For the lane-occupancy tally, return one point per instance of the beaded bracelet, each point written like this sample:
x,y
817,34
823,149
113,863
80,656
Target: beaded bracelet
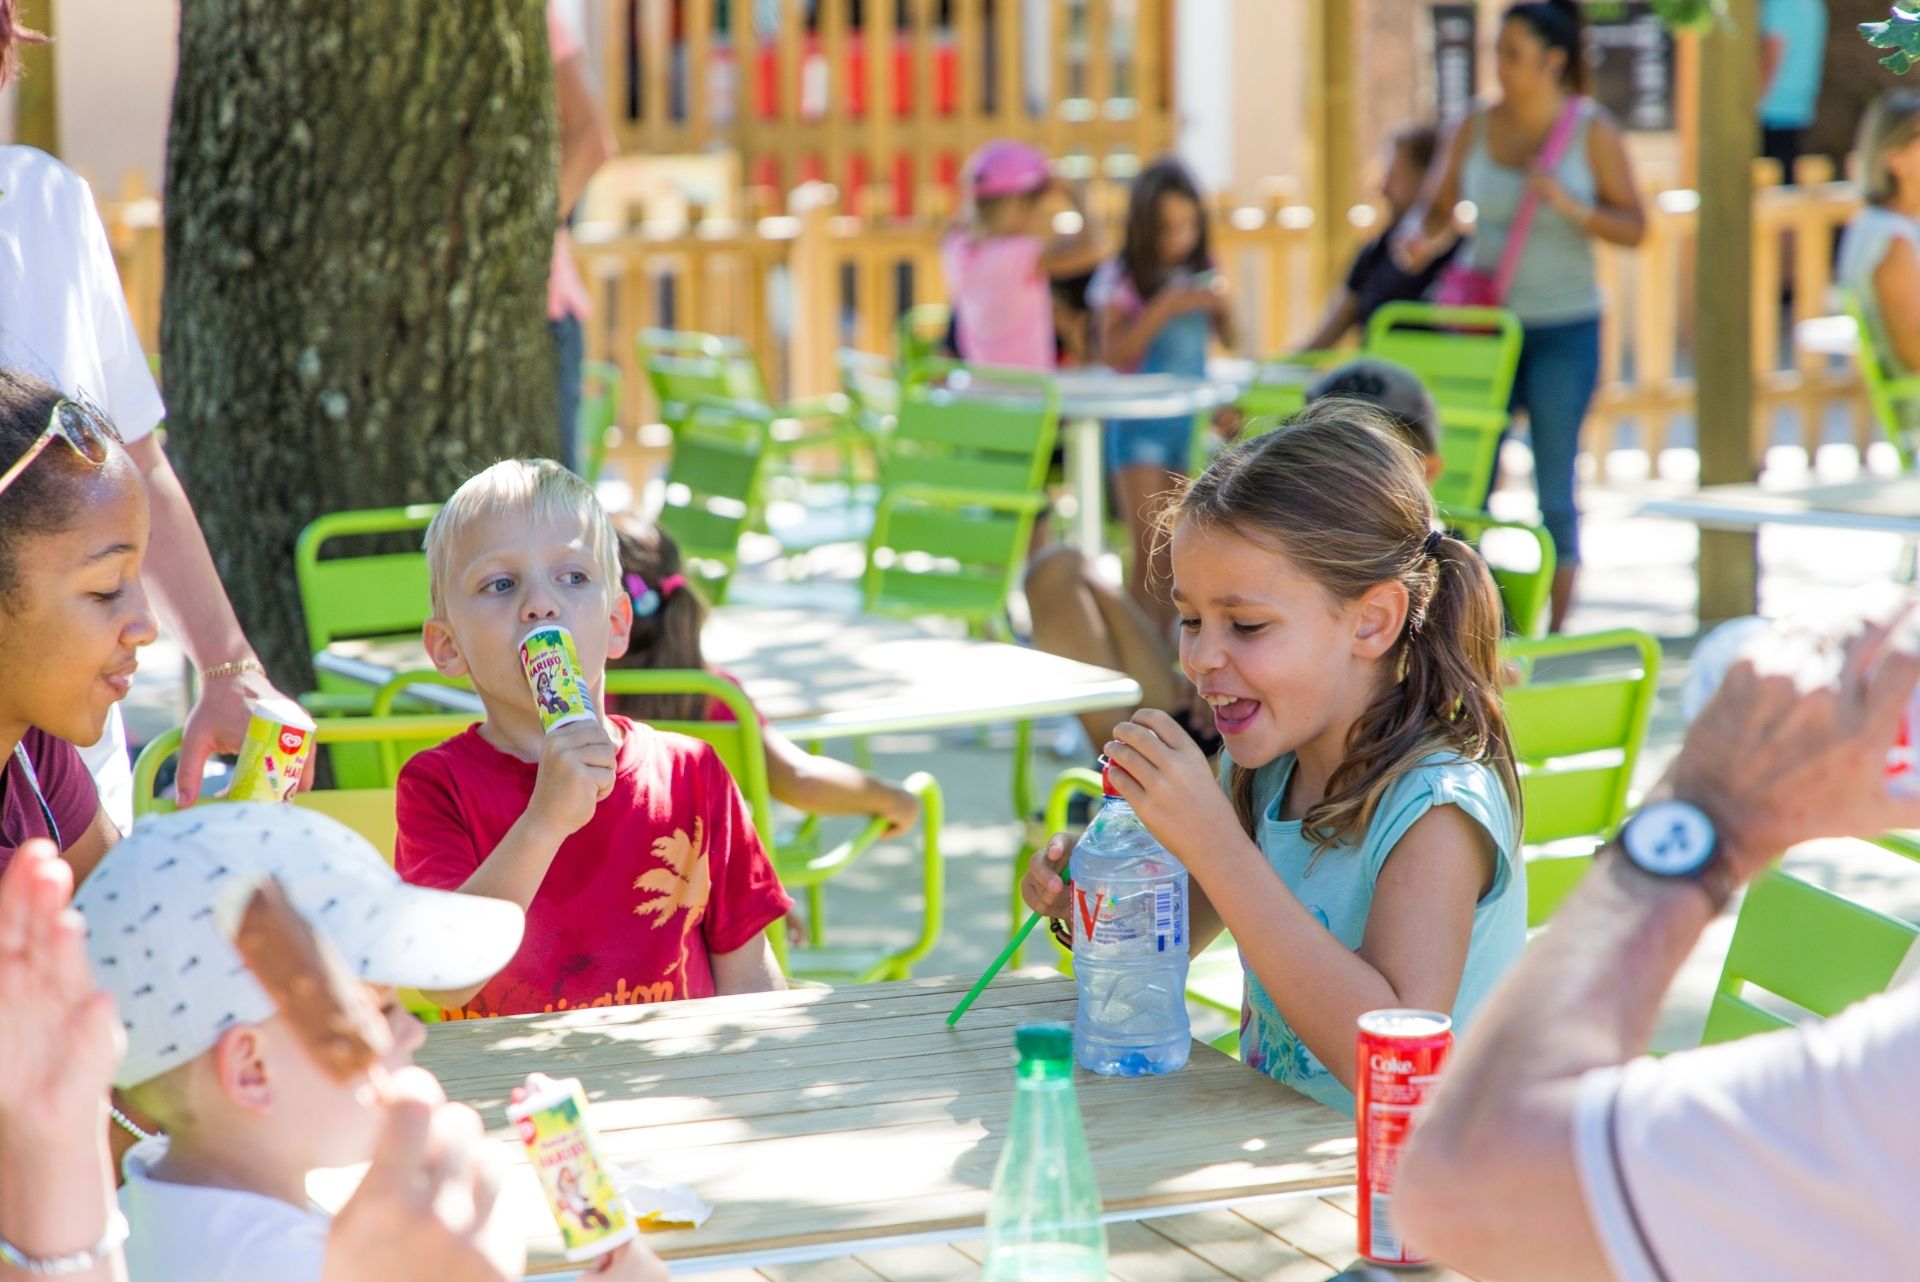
x,y
55,1266
233,669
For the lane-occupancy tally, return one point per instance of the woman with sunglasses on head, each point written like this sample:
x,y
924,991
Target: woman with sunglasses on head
x,y
64,319
73,614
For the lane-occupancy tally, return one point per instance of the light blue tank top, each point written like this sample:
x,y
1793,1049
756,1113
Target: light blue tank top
x,y
1337,889
1554,282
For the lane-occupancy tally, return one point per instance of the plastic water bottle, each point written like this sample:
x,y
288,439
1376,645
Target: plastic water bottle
x,y
1044,1222
1716,653
1129,947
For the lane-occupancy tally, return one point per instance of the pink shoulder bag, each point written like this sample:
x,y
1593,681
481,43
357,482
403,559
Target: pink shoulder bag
x,y
1464,286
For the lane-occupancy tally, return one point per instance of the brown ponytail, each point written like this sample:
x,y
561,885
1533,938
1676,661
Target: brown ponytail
x,y
668,634
1343,499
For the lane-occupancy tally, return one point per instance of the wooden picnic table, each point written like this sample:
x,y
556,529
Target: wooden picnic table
x,y
822,674
822,1124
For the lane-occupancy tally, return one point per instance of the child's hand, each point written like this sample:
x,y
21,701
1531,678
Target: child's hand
x,y
576,774
630,1263
900,808
59,1037
1414,248
1170,784
1044,888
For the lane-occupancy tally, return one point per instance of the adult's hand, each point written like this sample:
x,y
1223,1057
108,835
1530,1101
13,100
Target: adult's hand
x,y
1794,744
59,1036
427,1207
217,724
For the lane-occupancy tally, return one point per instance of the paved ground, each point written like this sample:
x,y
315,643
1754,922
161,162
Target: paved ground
x,y
1639,574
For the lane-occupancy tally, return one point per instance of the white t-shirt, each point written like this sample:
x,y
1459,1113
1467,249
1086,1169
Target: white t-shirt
x,y
188,1233
64,318
1863,244
1771,1159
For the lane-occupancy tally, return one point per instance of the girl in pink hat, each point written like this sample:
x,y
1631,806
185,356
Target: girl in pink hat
x,y
1000,260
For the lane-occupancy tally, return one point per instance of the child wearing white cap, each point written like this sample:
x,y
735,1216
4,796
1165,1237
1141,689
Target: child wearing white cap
x,y
247,1113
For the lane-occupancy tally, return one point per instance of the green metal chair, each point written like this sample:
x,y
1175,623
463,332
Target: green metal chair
x,y
871,385
1279,389
803,862
961,483
920,340
1806,946
1467,357
1578,738
713,486
1895,401
1525,583
600,387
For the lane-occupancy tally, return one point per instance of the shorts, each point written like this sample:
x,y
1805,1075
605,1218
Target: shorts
x,y
1165,443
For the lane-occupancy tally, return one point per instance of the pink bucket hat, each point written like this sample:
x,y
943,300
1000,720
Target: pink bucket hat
x,y
1004,167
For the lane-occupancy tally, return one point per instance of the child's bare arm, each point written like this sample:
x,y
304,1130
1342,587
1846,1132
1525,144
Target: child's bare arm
x,y
824,786
748,969
1078,254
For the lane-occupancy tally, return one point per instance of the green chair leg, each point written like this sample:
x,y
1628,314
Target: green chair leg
x,y
816,917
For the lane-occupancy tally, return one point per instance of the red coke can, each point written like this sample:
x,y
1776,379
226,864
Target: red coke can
x,y
1401,1055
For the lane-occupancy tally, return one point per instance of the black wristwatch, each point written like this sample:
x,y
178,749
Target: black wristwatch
x,y
1676,840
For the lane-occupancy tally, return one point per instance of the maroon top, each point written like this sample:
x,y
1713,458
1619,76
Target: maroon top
x,y
65,785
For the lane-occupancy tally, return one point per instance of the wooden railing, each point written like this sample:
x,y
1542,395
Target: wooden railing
x,y
887,113
799,285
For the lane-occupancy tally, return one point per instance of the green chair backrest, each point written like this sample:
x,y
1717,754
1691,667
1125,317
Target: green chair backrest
x,y
1577,739
1895,402
713,486
1467,357
382,594
1526,581
920,337
600,387
368,811
962,478
1279,389
1807,946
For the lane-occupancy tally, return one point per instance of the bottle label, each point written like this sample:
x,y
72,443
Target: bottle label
x,y
1146,920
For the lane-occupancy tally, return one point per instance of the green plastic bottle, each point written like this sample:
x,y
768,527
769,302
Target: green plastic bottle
x,y
1044,1225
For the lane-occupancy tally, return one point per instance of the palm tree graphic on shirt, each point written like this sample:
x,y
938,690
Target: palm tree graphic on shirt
x,y
681,884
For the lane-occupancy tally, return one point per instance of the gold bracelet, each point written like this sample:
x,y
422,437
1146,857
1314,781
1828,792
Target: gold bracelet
x,y
232,669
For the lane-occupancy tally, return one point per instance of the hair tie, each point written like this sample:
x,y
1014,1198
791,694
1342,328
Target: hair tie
x,y
672,584
1433,542
646,602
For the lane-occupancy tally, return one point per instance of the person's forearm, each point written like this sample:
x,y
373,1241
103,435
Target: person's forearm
x,y
1225,328
1489,1184
1624,227
1320,985
750,969
179,572
821,785
581,155
1129,340
1339,319
518,864
56,1194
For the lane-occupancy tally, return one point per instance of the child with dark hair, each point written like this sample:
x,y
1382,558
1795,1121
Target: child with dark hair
x,y
667,617
1375,279
1157,307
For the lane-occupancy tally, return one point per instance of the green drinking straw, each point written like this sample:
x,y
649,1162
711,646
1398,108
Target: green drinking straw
x,y
979,985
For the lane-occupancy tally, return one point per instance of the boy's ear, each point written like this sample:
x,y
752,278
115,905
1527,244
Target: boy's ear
x,y
240,1067
1379,616
436,635
621,617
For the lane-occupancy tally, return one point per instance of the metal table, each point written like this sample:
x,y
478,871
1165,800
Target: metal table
x,y
1880,505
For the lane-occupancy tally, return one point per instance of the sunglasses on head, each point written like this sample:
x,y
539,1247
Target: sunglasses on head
x,y
84,428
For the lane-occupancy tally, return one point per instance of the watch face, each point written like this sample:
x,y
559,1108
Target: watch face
x,y
1672,839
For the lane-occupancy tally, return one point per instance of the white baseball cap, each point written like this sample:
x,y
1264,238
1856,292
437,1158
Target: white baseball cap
x,y
155,941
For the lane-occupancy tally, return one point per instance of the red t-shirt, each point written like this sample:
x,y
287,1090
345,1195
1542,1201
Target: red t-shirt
x,y
668,872
65,785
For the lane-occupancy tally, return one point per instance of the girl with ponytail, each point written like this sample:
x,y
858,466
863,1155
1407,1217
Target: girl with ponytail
x,y
667,617
1360,831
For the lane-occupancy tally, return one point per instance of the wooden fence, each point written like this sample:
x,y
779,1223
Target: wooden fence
x,y
799,285
884,100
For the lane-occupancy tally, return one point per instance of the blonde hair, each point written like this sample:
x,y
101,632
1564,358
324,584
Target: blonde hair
x,y
1343,498
539,489
1891,123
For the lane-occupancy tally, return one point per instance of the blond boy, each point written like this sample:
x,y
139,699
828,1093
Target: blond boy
x,y
631,851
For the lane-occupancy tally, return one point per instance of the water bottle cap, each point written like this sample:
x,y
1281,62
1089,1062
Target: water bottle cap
x,y
1106,778
1044,1041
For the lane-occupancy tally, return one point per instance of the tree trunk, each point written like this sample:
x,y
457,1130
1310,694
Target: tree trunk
x,y
359,221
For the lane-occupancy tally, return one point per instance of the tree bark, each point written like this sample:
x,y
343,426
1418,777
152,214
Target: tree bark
x,y
359,222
